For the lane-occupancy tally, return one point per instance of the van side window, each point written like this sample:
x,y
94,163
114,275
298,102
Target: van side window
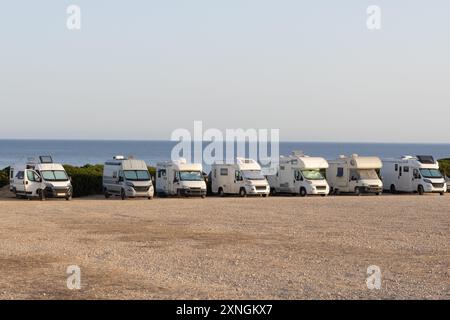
x,y
405,169
114,174
12,174
400,171
237,175
282,168
396,167
20,175
416,174
340,172
223,171
161,173
298,176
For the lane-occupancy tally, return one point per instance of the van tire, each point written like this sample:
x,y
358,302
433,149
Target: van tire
x,y
69,197
122,194
106,193
41,194
441,193
357,191
221,193
302,192
242,192
392,189
265,195
420,190
150,198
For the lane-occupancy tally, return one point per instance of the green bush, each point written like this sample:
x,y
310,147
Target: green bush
x,y
444,165
86,180
4,177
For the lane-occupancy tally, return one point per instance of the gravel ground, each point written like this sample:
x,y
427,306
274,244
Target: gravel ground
x,y
227,248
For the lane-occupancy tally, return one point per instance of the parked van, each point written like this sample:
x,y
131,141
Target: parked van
x,y
127,178
180,178
244,177
300,174
40,179
355,174
413,174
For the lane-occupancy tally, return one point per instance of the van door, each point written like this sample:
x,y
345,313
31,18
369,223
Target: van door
x,y
161,181
238,182
405,179
286,176
32,182
19,182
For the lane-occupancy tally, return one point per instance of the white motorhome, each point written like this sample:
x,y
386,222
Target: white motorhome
x,y
127,178
244,177
180,178
40,179
413,174
300,174
355,174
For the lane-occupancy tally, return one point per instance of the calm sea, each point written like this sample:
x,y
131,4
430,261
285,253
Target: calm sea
x,y
81,152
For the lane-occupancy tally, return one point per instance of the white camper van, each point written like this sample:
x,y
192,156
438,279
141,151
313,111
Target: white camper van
x,y
40,179
127,178
300,174
180,178
413,174
355,174
244,177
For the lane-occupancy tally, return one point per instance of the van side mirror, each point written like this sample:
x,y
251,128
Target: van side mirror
x,y
120,179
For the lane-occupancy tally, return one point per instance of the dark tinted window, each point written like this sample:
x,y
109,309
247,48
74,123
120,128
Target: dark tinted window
x,y
340,172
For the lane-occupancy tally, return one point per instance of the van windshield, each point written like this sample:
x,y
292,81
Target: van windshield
x,y
54,175
191,176
136,175
312,175
252,175
431,173
367,174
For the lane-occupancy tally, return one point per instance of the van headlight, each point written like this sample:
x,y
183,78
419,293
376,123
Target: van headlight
x,y
427,181
129,184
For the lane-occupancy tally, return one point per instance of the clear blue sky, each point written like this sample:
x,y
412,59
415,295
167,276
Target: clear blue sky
x,y
140,69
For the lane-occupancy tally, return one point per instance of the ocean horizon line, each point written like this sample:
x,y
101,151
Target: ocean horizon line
x,y
176,141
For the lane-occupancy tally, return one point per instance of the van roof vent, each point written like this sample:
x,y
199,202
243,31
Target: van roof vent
x,y
119,157
426,159
341,156
45,159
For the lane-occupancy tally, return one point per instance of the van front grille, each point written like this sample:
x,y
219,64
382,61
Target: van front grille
x,y
141,189
438,185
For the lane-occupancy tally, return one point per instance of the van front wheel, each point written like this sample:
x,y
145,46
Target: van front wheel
x,y
41,195
357,191
303,192
221,193
420,190
123,195
242,192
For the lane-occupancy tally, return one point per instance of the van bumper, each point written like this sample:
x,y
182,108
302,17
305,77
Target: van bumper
x,y
143,192
318,190
257,190
193,192
60,192
371,189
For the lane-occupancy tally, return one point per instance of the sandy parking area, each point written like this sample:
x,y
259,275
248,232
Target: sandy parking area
x,y
275,248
